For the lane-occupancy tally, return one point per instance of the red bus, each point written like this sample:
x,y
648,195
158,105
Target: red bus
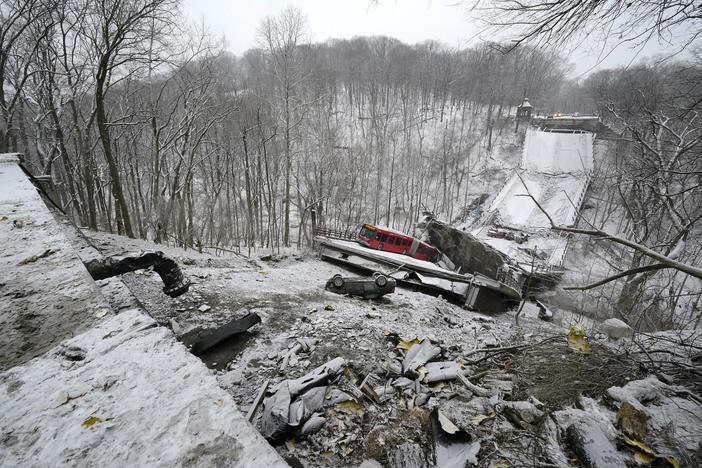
x,y
390,241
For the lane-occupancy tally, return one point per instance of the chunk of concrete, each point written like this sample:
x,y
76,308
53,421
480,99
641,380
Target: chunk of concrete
x,y
419,354
615,328
317,376
592,447
438,371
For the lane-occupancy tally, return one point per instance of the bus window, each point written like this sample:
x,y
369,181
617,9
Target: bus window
x,y
384,238
404,241
398,241
377,236
367,232
391,240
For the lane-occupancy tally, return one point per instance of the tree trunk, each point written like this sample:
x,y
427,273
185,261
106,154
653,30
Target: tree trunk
x,y
104,131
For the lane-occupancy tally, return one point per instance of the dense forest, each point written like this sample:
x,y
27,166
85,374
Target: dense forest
x,y
151,129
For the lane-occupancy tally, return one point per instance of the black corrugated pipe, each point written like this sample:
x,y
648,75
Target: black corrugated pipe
x,y
174,281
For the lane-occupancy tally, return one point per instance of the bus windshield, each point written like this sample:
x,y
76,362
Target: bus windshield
x,y
367,232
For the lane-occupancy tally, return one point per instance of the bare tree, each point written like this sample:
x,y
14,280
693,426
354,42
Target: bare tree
x,y
282,37
559,21
117,29
24,25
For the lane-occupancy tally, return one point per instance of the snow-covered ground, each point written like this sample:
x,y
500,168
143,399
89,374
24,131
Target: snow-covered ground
x,y
84,385
127,391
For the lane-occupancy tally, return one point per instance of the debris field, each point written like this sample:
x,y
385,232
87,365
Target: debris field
x,y
410,379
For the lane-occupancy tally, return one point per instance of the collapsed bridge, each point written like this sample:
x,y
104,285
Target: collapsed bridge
x,y
554,170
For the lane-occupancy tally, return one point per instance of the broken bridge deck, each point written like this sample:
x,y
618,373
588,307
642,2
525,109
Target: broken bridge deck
x,y
475,291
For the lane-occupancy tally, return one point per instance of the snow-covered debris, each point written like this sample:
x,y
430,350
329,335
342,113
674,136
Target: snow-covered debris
x,y
136,395
418,355
615,328
352,425
674,412
283,413
592,447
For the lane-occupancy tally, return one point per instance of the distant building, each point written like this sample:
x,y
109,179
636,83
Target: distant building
x,y
523,113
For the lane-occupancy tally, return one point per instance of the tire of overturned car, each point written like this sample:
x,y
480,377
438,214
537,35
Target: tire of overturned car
x,y
381,281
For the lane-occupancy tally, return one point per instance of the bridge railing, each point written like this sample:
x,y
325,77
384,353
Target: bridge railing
x,y
346,234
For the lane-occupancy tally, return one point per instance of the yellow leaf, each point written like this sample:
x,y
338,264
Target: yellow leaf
x,y
673,462
500,463
290,444
576,339
446,424
482,417
329,307
642,458
407,344
422,372
90,421
638,444
218,402
4,218
350,406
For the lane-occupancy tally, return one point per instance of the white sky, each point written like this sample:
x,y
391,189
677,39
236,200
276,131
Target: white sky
x,y
411,21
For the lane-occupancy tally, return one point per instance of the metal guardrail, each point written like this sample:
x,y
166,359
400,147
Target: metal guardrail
x,y
346,234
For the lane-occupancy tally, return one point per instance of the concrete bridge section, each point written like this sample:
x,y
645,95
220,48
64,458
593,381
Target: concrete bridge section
x,y
82,385
587,123
555,170
475,291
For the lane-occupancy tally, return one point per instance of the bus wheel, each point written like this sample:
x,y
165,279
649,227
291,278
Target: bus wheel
x,y
380,246
338,281
381,281
404,251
